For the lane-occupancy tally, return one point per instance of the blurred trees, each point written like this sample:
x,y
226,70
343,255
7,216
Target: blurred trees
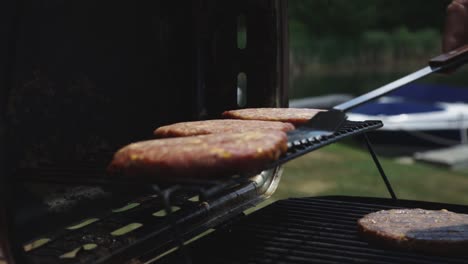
x,y
348,18
365,32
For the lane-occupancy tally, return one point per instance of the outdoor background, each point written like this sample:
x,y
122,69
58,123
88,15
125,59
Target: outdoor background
x,y
342,46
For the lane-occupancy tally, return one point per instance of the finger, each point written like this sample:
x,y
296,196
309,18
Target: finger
x,y
455,34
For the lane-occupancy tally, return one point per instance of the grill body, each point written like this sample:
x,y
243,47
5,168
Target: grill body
x,y
196,207
80,79
310,230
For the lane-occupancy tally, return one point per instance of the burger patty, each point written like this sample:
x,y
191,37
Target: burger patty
x,y
194,128
296,116
200,156
418,229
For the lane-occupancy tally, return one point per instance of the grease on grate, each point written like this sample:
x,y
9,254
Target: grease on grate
x,y
36,244
126,229
125,208
74,252
83,223
162,212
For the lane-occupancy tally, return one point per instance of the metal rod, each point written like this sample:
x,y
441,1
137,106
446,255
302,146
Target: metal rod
x,y
383,90
166,199
379,92
379,167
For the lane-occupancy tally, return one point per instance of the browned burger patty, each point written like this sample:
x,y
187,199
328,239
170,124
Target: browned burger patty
x,y
194,128
200,156
296,116
418,229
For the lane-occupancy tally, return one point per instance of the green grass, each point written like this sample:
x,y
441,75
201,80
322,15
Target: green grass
x,y
341,169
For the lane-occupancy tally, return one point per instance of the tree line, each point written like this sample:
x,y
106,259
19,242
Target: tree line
x,y
348,18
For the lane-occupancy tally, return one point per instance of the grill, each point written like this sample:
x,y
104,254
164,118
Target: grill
x,y
162,218
309,230
82,78
148,214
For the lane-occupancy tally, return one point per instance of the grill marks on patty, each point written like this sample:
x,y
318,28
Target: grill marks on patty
x,y
296,116
200,156
429,231
184,129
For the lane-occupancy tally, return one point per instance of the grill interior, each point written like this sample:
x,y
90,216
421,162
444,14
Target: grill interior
x,y
309,230
151,220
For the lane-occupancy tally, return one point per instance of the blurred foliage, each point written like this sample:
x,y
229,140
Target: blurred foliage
x,y
352,18
365,32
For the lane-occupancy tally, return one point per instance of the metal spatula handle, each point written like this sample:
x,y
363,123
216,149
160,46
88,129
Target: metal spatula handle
x,y
446,61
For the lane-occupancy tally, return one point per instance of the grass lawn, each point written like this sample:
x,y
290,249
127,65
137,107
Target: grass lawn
x,y
341,169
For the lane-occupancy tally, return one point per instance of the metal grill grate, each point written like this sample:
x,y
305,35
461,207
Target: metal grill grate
x,y
309,230
155,233
98,176
306,145
99,233
149,226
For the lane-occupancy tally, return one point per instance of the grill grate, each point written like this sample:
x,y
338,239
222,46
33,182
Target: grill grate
x,y
63,240
309,230
154,230
306,145
98,176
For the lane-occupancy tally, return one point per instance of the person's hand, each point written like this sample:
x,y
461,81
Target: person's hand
x,y
456,26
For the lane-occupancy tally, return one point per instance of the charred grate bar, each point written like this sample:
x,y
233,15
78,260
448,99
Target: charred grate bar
x,y
96,238
310,230
140,226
